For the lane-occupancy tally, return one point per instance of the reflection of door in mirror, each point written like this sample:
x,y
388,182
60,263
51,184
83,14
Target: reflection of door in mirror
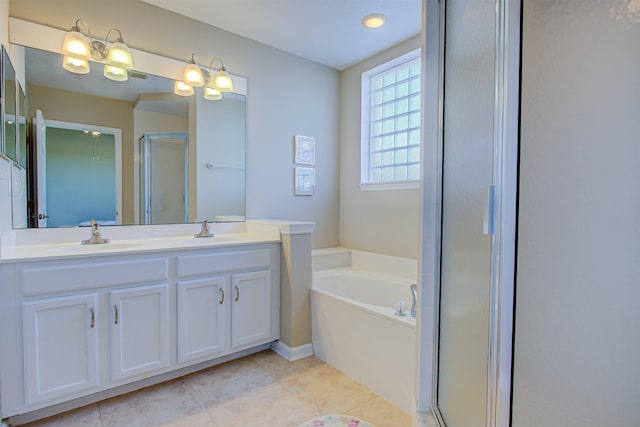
x,y
9,106
22,127
78,173
164,178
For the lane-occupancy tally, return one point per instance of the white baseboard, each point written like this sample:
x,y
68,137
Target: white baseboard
x,y
292,354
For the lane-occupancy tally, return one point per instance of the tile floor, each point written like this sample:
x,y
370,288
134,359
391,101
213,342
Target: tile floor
x,y
258,390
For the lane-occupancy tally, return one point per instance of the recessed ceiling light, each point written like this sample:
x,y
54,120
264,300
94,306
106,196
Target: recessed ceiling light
x,y
375,20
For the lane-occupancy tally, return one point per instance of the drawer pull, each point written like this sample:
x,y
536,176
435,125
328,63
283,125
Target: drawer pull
x,y
115,308
93,317
237,293
221,295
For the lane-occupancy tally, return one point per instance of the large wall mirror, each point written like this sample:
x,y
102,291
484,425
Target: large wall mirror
x,y
131,152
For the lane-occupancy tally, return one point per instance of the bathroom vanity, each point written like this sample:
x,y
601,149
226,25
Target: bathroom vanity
x,y
84,322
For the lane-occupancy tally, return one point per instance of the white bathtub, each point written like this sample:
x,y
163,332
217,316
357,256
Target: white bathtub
x,y
355,330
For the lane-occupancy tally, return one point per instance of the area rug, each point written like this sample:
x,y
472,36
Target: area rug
x,y
336,421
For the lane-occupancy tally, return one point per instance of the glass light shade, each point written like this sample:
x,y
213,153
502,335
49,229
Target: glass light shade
x,y
223,81
182,89
76,46
211,93
119,56
193,75
115,73
375,20
78,66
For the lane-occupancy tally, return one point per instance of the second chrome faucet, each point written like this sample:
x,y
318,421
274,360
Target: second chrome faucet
x,y
205,231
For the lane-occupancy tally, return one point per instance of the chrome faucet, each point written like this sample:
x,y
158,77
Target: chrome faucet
x,y
414,293
96,238
205,231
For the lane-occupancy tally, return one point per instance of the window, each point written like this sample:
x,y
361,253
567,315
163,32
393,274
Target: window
x,y
391,117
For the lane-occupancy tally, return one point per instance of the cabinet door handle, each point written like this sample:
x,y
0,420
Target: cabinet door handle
x,y
221,295
237,293
115,308
93,317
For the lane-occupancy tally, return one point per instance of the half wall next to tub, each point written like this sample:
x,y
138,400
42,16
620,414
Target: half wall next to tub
x,y
354,326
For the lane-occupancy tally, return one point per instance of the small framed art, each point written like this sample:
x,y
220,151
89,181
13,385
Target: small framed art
x,y
305,181
305,150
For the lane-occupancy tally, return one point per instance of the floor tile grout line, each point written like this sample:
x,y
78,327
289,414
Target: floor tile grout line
x,y
195,394
361,404
100,414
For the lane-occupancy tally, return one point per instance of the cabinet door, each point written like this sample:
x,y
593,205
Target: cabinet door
x,y
60,346
250,308
139,330
201,318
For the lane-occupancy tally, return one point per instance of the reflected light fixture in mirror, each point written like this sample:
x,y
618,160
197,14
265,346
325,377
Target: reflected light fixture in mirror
x,y
182,89
78,50
211,93
75,65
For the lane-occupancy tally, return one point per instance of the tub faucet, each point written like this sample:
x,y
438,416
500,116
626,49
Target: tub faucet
x,y
96,238
205,231
414,293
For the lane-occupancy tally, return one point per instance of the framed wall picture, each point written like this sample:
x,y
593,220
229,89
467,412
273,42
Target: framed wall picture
x,y
305,150
305,181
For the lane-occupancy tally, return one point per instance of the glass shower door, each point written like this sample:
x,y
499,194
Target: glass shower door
x,y
164,181
466,252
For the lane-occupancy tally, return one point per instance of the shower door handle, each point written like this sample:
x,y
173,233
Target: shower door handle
x,y
489,226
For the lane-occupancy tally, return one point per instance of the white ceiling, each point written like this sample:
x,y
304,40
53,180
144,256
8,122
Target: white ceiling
x,y
325,31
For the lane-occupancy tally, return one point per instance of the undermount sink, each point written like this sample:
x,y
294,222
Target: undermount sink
x,y
78,248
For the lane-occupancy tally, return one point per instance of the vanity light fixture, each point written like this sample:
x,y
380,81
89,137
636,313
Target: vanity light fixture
x,y
222,80
214,85
193,74
78,50
374,20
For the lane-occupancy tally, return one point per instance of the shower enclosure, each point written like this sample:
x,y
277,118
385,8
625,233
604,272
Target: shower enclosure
x,y
164,178
471,123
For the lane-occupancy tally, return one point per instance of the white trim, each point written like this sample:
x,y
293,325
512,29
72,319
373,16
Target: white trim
x,y
292,354
396,185
117,134
431,209
306,228
505,179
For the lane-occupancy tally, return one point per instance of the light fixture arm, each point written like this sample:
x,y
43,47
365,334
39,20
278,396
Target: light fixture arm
x,y
211,65
99,49
194,59
76,27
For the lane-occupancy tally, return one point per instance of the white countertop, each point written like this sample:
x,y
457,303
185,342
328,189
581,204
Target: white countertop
x,y
127,246
46,244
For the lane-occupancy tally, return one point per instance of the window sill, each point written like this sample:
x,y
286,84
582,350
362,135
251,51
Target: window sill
x,y
404,185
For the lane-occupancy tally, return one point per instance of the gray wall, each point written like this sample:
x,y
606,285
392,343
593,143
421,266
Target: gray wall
x,y
307,104
385,222
577,346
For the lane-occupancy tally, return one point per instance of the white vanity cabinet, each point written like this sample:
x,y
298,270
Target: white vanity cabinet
x,y
227,302
251,308
202,318
139,330
80,329
60,346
